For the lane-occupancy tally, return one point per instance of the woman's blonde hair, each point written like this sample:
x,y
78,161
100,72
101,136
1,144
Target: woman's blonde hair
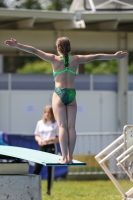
x,y
51,112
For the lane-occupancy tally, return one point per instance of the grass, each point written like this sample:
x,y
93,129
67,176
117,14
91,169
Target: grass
x,y
82,190
85,169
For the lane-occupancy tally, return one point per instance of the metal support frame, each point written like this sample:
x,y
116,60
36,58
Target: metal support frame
x,y
105,3
124,161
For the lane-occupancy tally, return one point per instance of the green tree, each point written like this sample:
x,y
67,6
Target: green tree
x,y
30,4
131,68
58,4
37,67
3,4
12,63
41,4
101,67
95,67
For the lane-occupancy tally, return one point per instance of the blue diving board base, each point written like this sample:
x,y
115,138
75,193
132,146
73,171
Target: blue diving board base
x,y
36,156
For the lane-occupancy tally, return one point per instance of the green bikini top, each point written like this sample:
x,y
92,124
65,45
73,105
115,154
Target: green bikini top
x,y
64,70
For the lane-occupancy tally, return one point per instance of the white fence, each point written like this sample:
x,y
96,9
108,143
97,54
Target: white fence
x,y
88,145
20,110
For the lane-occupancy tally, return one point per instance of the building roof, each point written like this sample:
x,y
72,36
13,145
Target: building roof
x,y
83,14
100,24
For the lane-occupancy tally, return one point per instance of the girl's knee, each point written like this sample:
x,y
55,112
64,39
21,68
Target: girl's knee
x,y
64,126
71,127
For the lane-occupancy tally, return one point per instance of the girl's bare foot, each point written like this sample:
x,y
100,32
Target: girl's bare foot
x,y
69,160
63,161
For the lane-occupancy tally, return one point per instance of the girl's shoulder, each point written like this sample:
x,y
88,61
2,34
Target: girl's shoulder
x,y
74,58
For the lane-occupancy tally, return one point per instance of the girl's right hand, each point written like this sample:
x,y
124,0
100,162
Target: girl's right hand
x,y
121,54
11,43
40,143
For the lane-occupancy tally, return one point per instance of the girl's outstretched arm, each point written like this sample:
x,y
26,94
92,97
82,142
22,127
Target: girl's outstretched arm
x,y
101,56
43,55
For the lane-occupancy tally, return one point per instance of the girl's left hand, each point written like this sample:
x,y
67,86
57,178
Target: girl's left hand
x,y
121,54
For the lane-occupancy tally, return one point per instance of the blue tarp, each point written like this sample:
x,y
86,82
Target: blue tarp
x,y
3,138
29,142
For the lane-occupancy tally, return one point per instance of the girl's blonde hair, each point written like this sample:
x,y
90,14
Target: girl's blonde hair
x,y
51,112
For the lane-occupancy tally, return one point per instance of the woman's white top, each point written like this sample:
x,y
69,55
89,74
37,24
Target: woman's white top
x,y
46,130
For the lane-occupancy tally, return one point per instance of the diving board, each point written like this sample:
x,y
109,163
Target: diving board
x,y
36,156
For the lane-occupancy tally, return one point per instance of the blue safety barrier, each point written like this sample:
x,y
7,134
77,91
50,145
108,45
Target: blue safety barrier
x,y
3,138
